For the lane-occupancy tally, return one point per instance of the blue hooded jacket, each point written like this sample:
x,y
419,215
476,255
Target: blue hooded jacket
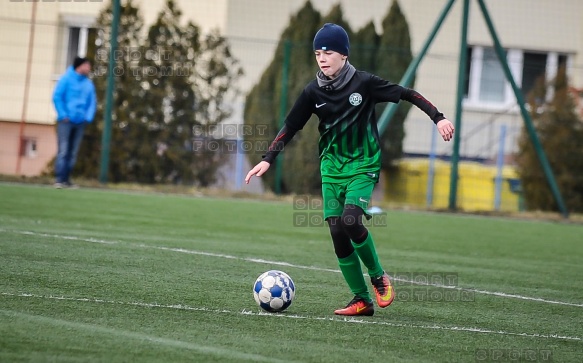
x,y
74,97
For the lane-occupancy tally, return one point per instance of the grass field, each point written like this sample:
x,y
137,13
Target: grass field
x,y
94,275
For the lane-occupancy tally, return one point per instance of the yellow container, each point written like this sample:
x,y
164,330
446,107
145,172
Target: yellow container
x,y
476,186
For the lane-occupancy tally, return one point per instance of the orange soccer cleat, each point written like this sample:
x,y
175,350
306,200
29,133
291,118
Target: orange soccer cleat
x,y
383,290
357,306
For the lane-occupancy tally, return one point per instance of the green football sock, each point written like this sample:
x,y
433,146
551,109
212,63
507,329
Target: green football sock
x,y
352,272
368,254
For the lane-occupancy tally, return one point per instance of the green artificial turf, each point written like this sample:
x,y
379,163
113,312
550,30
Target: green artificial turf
x,y
105,276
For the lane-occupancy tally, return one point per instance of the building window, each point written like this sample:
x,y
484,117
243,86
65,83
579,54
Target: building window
x,y
77,38
492,78
28,148
73,47
486,84
534,67
81,42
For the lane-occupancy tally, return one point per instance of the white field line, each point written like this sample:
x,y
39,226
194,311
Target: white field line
x,y
205,349
283,316
287,264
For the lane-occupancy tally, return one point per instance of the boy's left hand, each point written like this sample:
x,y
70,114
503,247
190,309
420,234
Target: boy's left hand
x,y
446,129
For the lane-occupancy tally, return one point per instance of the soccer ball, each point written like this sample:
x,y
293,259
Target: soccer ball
x,y
274,291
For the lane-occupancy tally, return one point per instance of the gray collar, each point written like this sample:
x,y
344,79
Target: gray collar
x,y
339,82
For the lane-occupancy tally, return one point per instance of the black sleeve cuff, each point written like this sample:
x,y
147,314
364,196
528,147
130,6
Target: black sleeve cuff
x,y
438,118
283,137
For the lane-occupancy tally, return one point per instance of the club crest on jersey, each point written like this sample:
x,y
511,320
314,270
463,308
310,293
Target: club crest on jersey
x,y
355,99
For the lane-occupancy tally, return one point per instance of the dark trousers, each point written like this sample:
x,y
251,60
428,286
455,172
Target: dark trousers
x,y
69,136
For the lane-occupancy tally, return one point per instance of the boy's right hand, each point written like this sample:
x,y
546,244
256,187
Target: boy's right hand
x,y
446,129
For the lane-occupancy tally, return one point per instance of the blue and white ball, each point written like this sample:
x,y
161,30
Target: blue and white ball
x,y
274,291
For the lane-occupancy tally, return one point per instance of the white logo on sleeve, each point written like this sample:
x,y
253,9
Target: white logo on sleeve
x,y
355,99
362,200
320,105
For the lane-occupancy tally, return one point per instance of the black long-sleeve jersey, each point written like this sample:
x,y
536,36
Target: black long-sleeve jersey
x,y
349,138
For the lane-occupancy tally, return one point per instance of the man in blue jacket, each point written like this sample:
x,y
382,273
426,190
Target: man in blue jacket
x,y
75,102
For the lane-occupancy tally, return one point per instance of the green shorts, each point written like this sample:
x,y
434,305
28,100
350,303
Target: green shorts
x,y
357,191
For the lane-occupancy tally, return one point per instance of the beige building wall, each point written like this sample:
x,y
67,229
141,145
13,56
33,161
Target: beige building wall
x,y
47,64
35,159
204,13
544,25
253,21
254,27
52,19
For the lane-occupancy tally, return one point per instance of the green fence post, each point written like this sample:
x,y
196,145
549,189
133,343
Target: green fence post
x,y
282,110
390,110
525,115
106,137
453,179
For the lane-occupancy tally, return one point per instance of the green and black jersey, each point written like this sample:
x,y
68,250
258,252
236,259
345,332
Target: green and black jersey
x,y
349,138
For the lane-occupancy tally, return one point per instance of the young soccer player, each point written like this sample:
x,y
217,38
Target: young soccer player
x,y
344,100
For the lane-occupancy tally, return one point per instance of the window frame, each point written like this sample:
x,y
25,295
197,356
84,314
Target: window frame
x,y
515,58
29,148
69,21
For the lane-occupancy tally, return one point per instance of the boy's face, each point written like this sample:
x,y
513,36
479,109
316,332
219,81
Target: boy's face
x,y
330,62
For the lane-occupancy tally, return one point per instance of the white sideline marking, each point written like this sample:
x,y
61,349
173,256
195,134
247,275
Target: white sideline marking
x,y
278,263
72,238
217,351
331,319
